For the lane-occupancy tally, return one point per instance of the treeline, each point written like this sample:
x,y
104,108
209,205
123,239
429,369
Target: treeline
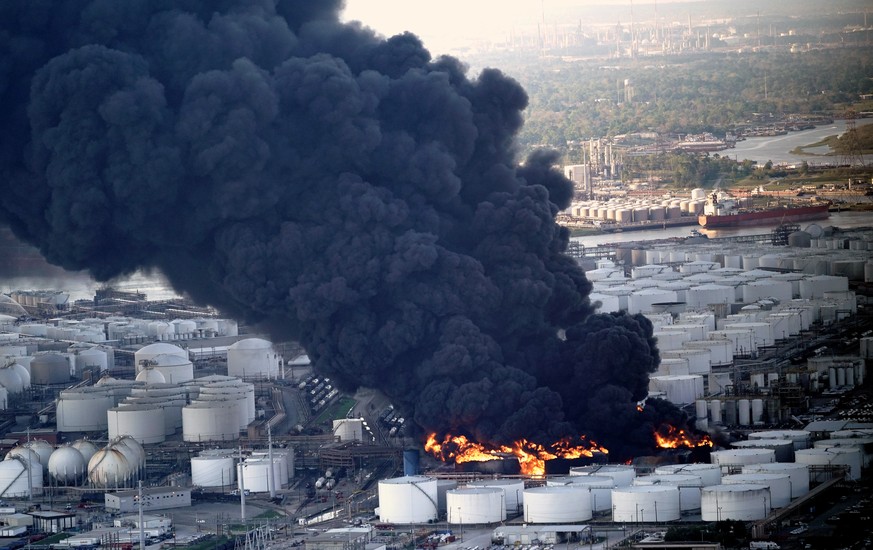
x,y
688,169
712,92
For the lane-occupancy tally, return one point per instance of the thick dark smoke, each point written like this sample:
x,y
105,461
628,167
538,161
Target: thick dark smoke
x,y
338,187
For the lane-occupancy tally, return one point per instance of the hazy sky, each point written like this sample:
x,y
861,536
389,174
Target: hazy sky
x,y
452,23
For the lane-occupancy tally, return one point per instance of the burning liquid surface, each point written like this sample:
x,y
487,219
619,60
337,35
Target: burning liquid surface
x,y
670,437
531,456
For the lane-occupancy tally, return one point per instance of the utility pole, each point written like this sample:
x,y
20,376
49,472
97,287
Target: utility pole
x,y
141,526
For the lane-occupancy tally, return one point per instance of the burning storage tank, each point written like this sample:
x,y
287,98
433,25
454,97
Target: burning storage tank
x,y
557,504
689,486
20,477
145,423
83,409
210,421
513,490
599,487
797,473
475,505
253,358
646,503
848,458
741,502
408,499
735,459
622,475
67,466
49,368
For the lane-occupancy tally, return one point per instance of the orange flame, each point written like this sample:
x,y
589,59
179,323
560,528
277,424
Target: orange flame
x,y
531,456
669,437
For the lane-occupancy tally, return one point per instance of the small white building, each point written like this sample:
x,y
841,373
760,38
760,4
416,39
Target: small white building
x,y
154,498
153,526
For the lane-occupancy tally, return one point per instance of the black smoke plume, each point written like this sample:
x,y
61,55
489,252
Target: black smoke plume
x,y
337,187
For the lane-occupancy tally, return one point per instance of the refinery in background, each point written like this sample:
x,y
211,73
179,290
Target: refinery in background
x,y
764,343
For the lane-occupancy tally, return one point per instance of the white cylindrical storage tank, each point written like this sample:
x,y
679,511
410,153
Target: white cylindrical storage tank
x,y
779,485
83,409
698,359
678,389
252,358
671,340
67,465
145,423
740,502
599,487
744,412
758,412
865,444
689,487
92,358
648,503
175,369
848,457
797,473
49,368
623,475
709,294
20,478
408,499
149,352
235,400
513,489
557,504
715,411
213,471
709,474
475,506
800,438
254,475
783,448
737,458
443,487
210,421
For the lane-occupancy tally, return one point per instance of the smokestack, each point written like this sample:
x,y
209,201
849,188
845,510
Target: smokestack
x,y
332,185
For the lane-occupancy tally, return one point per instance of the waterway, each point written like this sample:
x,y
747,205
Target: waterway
x,y
777,148
844,220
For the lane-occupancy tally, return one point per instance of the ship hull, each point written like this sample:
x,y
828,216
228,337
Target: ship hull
x,y
765,217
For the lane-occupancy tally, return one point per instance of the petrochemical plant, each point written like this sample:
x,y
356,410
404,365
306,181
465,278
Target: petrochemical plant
x,y
765,347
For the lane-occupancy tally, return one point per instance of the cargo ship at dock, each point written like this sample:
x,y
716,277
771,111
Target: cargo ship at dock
x,y
723,211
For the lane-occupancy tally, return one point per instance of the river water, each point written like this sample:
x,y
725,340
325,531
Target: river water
x,y
776,148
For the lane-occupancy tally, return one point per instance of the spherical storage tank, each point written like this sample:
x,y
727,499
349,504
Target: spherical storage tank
x,y
566,504
11,379
408,499
623,475
150,375
513,490
645,503
67,465
49,368
117,464
797,473
475,505
689,487
43,449
20,478
252,358
741,502
779,485
709,474
85,447
212,471
145,423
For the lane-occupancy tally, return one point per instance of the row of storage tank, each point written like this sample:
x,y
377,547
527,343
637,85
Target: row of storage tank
x,y
220,468
816,251
630,212
28,468
212,408
156,364
127,329
740,484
